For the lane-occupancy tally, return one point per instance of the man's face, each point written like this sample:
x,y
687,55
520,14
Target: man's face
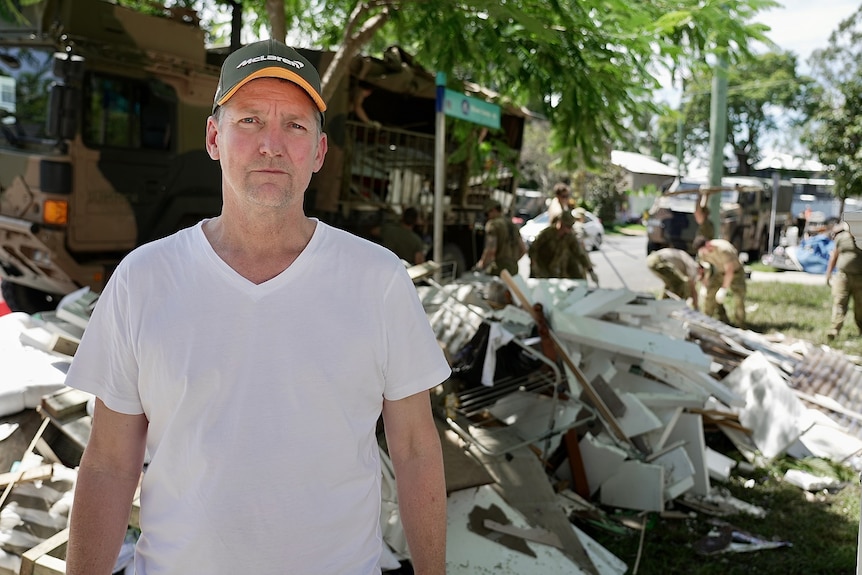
x,y
268,142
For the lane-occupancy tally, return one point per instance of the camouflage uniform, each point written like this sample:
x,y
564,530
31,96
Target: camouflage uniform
x,y
556,256
676,269
508,246
847,282
722,253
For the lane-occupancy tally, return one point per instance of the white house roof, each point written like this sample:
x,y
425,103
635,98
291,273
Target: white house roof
x,y
640,164
777,161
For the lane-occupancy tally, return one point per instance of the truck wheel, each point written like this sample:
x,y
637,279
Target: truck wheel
x,y
29,300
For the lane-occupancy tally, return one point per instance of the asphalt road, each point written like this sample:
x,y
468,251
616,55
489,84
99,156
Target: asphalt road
x,y
621,263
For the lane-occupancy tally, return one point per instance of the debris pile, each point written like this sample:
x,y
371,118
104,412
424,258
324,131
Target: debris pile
x,y
618,417
565,400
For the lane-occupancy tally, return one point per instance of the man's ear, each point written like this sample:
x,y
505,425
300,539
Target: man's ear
x,y
211,138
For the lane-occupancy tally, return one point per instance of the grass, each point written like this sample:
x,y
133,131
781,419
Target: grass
x,y
821,528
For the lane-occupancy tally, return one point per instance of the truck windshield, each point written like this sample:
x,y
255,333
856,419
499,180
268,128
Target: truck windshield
x,y
25,84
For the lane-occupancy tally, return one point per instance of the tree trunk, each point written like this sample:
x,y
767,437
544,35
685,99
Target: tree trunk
x,y
351,45
235,25
277,19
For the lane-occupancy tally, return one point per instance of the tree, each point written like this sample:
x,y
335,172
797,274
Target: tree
x,y
587,68
835,130
765,93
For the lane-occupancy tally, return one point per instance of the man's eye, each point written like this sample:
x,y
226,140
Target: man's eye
x,y
247,121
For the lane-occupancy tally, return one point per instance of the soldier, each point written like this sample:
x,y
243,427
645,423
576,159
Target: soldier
x,y
503,244
678,271
726,275
705,226
560,203
846,257
557,252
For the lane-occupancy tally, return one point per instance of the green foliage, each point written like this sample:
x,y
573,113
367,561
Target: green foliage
x,y
603,189
761,90
588,67
836,128
10,10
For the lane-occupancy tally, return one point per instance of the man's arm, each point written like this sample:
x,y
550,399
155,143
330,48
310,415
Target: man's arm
x,y
414,447
729,270
107,479
833,258
489,254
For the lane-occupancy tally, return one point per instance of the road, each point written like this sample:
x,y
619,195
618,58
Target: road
x,y
619,263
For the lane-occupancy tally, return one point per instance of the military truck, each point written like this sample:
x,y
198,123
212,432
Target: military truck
x,y
744,217
102,116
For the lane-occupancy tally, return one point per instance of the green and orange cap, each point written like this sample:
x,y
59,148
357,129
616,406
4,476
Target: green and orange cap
x,y
267,59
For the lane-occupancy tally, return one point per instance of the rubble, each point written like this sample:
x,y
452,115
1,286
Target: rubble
x,y
565,401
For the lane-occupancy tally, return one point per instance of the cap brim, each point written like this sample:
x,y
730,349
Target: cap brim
x,y
276,72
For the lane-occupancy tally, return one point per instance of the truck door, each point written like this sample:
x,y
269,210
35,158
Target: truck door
x,y
121,161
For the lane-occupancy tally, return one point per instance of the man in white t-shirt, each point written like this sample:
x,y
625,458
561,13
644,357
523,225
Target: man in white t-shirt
x,y
232,354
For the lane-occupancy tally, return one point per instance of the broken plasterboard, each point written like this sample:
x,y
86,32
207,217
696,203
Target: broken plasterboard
x,y
772,411
470,550
601,460
635,485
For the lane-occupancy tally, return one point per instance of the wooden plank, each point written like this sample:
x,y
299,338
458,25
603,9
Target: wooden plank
x,y
32,474
32,556
576,464
66,403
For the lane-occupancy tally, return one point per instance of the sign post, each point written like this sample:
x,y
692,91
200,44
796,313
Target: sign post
x,y
461,106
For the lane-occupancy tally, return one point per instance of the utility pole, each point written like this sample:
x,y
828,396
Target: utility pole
x,y
717,136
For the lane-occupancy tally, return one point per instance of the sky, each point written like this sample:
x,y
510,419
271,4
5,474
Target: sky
x,y
803,26
800,26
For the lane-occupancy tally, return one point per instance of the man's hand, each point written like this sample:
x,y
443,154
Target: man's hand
x,y
720,295
594,276
829,281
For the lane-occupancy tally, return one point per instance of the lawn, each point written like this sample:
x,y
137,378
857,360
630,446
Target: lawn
x,y
820,528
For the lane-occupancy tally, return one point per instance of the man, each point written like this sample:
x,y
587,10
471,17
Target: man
x,y
846,257
678,271
233,355
402,238
558,253
503,244
727,275
705,226
560,201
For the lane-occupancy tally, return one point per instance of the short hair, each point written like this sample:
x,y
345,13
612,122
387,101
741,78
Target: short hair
x,y
561,188
410,216
698,243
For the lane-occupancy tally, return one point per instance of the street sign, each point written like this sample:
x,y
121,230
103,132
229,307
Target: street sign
x,y
457,105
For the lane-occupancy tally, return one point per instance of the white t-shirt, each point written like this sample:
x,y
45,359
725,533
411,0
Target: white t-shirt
x,y
262,400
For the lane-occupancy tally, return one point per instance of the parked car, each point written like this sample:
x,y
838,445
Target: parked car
x,y
528,204
594,230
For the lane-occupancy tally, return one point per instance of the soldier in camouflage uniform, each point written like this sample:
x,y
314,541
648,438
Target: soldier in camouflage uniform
x,y
503,244
558,253
727,274
846,257
677,270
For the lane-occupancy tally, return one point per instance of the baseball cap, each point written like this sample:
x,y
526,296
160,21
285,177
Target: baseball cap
x,y
267,59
